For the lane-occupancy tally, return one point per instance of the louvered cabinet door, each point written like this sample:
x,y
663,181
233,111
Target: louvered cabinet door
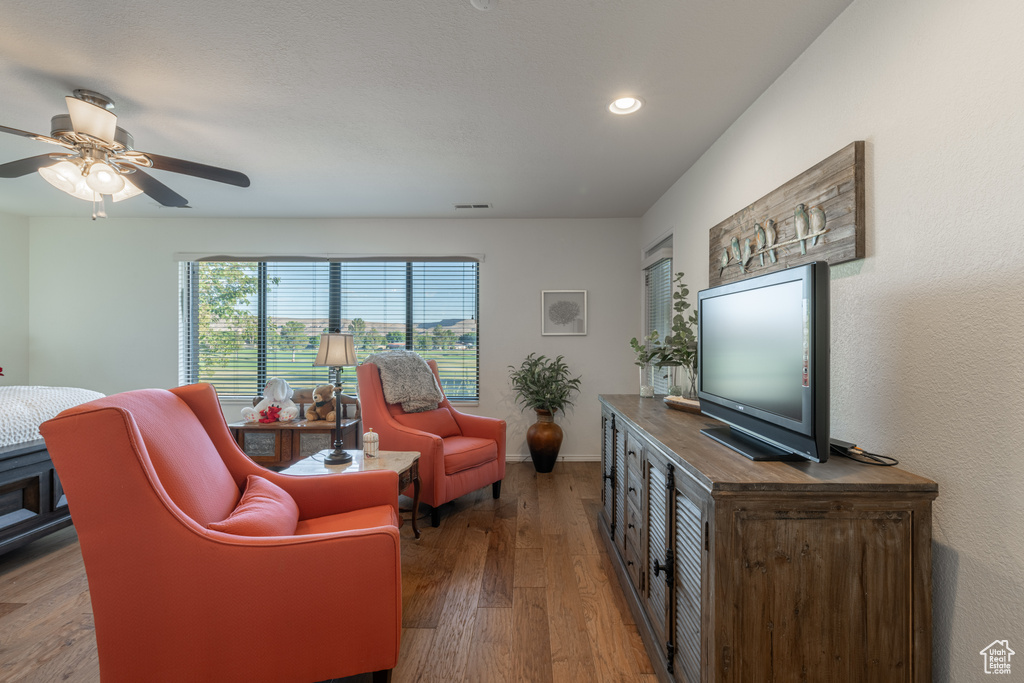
x,y
659,554
607,466
621,479
689,560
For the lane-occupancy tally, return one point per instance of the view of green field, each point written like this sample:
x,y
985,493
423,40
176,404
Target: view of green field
x,y
236,375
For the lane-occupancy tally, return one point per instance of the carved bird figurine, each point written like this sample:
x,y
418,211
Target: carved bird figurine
x,y
746,252
802,223
817,217
737,254
769,237
760,241
725,262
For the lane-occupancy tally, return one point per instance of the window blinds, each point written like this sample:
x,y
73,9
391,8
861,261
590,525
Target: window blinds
x,y
244,322
658,295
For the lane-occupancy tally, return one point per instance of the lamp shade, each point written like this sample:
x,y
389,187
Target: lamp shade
x,y
336,350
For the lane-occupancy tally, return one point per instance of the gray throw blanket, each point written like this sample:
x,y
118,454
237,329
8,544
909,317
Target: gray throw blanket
x,y
407,379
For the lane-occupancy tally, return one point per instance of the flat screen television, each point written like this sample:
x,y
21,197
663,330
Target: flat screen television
x,y
763,363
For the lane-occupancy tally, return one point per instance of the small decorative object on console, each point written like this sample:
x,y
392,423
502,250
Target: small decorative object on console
x,y
276,394
324,404
270,414
371,443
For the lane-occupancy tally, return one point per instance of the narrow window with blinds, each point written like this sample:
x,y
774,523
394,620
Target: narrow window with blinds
x,y
658,299
242,323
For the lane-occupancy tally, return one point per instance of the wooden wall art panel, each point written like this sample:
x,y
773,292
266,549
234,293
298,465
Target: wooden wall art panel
x,y
817,216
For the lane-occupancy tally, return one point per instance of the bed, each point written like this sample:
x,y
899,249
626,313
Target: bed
x,y
32,502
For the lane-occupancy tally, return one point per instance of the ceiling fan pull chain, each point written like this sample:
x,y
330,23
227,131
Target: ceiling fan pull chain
x,y
99,208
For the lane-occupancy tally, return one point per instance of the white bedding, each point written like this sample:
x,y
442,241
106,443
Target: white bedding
x,y
23,409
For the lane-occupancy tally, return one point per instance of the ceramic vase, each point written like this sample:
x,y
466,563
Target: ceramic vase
x,y
544,437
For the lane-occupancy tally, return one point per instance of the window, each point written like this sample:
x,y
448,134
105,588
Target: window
x,y
243,322
658,302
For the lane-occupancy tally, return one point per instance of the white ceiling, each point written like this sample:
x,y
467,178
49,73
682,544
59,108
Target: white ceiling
x,y
399,108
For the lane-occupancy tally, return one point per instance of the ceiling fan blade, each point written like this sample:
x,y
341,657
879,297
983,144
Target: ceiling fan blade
x,y
221,175
16,169
33,136
155,189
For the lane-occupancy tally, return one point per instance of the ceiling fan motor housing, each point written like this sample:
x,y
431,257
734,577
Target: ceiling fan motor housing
x,y
61,125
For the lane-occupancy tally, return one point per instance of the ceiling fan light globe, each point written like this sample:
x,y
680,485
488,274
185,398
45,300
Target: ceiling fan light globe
x,y
104,179
63,175
129,191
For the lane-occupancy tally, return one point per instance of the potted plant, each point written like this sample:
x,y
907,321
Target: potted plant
x,y
645,353
546,386
680,346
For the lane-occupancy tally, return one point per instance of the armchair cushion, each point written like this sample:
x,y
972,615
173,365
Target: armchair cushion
x,y
465,452
439,422
364,518
265,509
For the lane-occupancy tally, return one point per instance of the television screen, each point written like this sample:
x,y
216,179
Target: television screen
x,y
763,363
755,348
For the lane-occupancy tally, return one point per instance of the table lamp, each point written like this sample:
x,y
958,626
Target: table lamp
x,y
336,351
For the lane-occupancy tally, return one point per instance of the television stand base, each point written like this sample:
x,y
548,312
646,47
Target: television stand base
x,y
748,446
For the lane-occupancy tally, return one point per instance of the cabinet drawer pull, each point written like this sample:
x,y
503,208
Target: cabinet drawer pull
x,y
606,477
632,489
631,526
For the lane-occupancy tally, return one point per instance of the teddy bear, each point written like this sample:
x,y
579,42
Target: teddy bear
x,y
277,404
323,404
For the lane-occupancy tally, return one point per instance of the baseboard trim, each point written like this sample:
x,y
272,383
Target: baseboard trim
x,y
577,457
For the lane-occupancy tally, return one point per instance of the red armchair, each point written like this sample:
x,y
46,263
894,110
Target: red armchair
x,y
147,473
459,453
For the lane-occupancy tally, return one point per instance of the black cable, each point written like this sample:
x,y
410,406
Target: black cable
x,y
864,457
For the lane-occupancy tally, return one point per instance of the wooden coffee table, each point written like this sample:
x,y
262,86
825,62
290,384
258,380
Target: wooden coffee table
x,y
405,463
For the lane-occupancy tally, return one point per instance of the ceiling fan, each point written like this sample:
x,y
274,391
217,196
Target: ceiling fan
x,y
101,161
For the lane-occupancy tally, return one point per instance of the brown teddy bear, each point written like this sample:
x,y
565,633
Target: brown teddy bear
x,y
323,404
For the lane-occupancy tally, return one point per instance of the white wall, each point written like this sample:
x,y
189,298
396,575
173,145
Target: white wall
x,y
14,357
112,286
928,330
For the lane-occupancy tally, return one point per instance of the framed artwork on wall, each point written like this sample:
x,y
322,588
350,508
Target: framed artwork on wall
x,y
563,311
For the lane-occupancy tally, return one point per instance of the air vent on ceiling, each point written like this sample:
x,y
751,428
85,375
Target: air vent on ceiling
x,y
472,206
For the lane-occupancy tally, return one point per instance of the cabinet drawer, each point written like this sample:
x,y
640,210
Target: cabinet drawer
x,y
634,526
634,489
633,565
634,452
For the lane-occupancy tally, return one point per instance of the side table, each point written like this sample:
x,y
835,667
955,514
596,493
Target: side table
x,y
405,463
281,443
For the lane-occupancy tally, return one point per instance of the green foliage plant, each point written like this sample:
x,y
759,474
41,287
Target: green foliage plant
x,y
680,345
542,383
646,352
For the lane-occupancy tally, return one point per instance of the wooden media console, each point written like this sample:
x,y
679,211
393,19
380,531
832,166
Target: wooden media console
x,y
764,571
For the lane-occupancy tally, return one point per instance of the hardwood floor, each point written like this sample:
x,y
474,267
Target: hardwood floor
x,y
507,590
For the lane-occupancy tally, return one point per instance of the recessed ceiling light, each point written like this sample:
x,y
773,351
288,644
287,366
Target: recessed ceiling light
x,y
625,105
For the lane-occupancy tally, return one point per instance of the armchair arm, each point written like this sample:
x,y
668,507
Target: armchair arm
x,y
328,494
480,426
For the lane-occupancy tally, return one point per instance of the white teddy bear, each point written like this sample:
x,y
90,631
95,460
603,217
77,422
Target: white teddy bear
x,y
276,406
